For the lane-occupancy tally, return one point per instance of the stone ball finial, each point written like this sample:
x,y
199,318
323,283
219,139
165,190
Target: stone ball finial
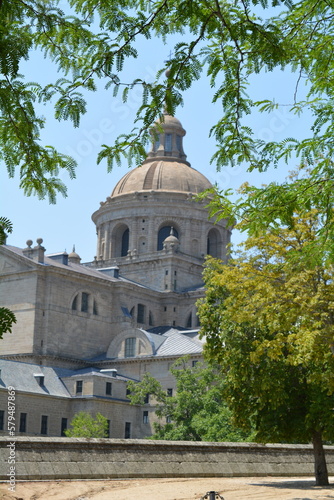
x,y
39,241
29,243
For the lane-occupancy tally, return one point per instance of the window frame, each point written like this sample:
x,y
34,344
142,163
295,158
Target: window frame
x,y
44,425
145,417
23,422
79,387
130,347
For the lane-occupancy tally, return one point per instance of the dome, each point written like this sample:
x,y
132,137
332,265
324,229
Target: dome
x,y
165,168
162,175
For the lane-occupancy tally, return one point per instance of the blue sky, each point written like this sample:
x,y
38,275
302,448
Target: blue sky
x,y
69,222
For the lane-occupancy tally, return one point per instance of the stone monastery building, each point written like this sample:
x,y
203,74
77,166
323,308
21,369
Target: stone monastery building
x,y
84,330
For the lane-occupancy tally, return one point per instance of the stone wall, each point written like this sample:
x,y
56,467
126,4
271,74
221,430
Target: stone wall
x,y
76,458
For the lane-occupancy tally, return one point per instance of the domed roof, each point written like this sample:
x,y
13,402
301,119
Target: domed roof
x,y
165,168
162,175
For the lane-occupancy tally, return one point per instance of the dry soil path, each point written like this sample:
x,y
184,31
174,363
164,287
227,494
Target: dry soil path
x,y
264,488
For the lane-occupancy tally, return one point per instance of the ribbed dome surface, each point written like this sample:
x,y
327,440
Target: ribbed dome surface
x,y
162,175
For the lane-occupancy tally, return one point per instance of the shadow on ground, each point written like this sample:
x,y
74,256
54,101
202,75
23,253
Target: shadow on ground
x,y
295,485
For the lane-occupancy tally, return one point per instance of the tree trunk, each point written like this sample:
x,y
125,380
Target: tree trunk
x,y
320,467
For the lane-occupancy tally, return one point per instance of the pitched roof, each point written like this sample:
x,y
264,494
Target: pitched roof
x,y
177,343
24,377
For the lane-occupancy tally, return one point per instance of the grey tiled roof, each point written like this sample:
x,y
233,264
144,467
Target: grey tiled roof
x,y
78,268
21,376
178,344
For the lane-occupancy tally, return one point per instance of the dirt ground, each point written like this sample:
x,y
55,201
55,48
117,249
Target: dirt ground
x,y
256,488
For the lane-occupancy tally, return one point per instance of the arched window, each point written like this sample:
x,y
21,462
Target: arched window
x,y
164,232
75,303
120,240
85,303
125,242
213,243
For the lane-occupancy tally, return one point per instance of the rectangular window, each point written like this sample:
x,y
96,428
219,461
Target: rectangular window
x,y
170,392
44,424
2,419
168,420
147,399
141,313
179,142
84,302
156,143
78,387
168,142
63,426
127,433
23,422
145,417
130,347
108,388
194,362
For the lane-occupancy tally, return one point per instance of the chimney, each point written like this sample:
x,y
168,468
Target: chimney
x,y
36,253
110,271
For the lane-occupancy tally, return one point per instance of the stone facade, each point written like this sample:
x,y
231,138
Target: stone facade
x,y
131,310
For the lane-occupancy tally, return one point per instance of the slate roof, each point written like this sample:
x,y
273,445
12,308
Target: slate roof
x,y
177,343
77,268
20,375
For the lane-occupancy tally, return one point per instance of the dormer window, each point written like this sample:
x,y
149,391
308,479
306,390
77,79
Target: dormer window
x,y
130,347
40,378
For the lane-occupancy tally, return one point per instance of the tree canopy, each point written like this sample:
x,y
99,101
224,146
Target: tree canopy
x,y
268,321
225,41
85,425
196,412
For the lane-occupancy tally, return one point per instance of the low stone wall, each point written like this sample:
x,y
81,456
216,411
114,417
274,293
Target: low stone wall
x,y
77,458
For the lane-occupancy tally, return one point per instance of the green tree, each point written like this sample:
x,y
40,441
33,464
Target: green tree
x,y
196,412
268,321
226,41
7,317
84,425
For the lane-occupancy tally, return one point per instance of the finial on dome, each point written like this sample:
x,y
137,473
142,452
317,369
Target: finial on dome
x,y
74,257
